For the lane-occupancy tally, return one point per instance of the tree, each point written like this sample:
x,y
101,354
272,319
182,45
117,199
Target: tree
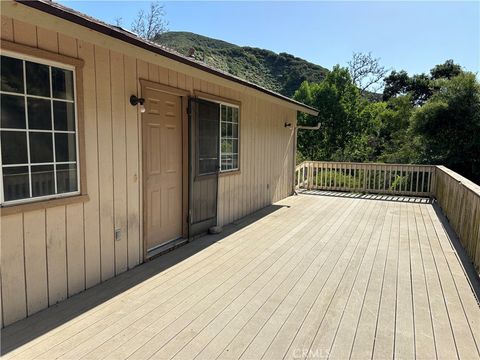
x,y
421,86
119,21
397,83
365,144
447,70
449,124
400,83
366,72
398,144
151,23
339,101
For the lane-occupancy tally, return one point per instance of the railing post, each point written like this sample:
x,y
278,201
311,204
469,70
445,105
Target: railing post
x,y
310,175
433,186
365,179
303,174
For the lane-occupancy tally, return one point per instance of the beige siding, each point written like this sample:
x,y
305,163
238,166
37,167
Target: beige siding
x,y
50,254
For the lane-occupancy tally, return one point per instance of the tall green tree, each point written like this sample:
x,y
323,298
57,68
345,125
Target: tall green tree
x,y
447,70
449,125
339,102
400,83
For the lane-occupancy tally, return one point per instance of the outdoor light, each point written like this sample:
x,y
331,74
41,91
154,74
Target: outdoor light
x,y
288,125
135,101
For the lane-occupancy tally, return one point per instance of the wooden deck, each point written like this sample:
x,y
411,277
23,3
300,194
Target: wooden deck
x,y
314,276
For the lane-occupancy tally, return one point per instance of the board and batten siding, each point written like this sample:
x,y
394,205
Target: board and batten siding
x,y
50,254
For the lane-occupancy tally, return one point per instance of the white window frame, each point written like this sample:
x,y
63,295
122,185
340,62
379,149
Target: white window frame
x,y
53,131
237,138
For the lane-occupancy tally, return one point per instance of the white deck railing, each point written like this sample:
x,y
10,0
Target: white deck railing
x,y
395,179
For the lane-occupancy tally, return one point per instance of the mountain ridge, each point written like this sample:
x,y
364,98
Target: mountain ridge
x,y
282,73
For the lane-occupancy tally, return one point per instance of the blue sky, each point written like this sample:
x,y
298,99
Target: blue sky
x,y
413,36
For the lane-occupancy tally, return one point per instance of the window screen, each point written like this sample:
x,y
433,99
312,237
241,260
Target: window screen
x,y
207,139
38,131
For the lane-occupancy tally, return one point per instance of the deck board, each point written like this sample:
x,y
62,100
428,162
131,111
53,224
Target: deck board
x,y
316,275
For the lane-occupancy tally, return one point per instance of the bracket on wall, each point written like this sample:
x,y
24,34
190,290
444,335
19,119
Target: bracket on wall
x,y
316,127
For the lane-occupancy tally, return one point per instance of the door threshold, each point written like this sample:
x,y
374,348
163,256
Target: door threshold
x,y
163,248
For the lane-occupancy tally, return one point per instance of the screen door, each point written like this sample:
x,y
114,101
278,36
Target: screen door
x,y
204,164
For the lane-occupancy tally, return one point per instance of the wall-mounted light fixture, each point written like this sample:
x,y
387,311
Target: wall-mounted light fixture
x,y
136,100
288,125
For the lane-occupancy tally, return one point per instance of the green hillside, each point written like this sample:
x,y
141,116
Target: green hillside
x,y
282,72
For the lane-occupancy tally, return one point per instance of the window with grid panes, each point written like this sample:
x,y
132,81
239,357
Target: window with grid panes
x,y
38,130
228,138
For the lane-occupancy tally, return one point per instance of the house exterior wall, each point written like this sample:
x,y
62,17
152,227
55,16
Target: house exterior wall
x,y
51,253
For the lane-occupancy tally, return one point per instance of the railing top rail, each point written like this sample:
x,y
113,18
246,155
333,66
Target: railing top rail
x,y
299,166
363,163
470,185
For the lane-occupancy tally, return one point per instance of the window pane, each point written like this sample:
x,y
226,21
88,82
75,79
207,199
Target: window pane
x,y
39,114
65,148
62,83
43,182
235,130
224,113
235,162
38,79
41,147
14,147
15,183
235,146
229,114
66,178
13,112
64,115
12,74
235,115
226,146
229,130
224,129
226,162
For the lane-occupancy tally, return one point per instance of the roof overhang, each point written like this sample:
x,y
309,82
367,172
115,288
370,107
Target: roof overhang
x,y
78,18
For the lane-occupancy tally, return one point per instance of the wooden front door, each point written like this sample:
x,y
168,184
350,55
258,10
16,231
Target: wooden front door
x,y
162,156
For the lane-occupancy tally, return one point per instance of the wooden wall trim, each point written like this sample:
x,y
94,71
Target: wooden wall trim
x,y
43,204
40,53
230,173
164,88
207,96
185,166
